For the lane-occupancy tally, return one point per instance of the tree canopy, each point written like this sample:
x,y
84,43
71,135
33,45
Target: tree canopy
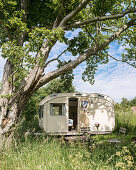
x,y
35,22
29,30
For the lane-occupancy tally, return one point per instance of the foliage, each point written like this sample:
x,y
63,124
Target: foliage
x,y
124,116
125,104
35,24
31,108
126,160
66,79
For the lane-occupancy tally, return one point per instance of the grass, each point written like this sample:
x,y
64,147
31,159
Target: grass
x,y
51,153
125,118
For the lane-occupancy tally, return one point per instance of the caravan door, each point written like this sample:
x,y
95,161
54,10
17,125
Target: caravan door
x,y
84,113
57,120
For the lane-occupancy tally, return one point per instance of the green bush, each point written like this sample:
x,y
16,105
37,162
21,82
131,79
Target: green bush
x,y
125,118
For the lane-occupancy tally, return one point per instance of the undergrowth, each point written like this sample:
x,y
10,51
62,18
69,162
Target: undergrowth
x,y
29,152
125,118
53,153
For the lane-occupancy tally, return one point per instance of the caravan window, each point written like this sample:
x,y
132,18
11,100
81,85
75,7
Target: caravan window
x,y
41,111
57,109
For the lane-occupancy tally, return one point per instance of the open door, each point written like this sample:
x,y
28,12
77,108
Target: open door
x,y
73,113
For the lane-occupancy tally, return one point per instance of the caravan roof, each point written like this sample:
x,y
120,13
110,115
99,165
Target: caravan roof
x,y
76,95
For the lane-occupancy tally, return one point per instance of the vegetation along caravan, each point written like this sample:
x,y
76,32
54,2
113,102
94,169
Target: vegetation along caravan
x,y
71,113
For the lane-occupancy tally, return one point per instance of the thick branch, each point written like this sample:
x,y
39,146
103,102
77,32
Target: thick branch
x,y
37,71
103,18
92,51
58,19
73,13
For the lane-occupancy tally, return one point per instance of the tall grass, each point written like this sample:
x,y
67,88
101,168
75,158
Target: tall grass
x,y
125,118
52,153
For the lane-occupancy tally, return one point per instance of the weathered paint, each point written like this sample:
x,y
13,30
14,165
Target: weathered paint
x,y
84,114
56,123
102,112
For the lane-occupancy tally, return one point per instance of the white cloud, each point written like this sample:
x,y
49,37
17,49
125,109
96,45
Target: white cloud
x,y
118,81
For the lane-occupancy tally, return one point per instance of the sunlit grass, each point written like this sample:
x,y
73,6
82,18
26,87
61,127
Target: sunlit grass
x,y
126,118
45,153
55,154
52,153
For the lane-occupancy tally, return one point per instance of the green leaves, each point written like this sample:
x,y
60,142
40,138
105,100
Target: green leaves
x,y
17,56
12,21
24,30
78,44
65,6
65,80
129,55
101,7
15,23
23,57
92,65
39,35
41,13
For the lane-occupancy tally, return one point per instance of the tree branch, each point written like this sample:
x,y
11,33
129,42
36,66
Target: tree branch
x,y
108,29
54,59
95,19
91,36
91,51
73,13
119,60
58,19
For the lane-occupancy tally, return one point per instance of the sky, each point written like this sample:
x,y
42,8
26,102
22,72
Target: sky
x,y
115,79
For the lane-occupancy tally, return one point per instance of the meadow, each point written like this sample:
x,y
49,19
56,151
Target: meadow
x,y
52,153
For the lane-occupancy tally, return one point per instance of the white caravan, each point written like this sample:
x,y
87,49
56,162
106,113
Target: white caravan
x,y
70,113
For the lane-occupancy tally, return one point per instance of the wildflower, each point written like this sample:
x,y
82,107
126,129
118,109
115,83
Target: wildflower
x,y
118,153
97,125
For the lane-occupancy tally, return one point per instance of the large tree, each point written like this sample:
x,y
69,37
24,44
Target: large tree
x,y
29,30
63,84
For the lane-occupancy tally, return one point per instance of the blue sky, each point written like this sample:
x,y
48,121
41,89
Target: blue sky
x,y
115,79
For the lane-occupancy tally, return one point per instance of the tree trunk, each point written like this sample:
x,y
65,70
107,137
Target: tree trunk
x,y
10,111
10,106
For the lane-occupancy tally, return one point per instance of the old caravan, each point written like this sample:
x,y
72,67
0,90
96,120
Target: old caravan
x,y
69,113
